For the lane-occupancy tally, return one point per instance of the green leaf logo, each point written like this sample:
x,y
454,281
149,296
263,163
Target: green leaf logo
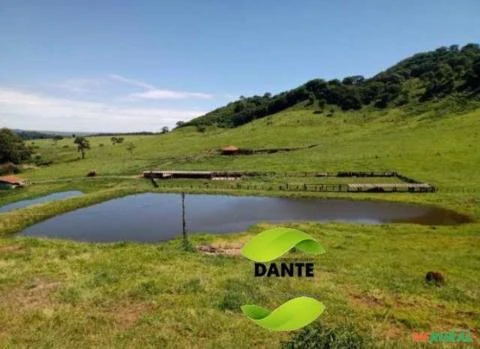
x,y
297,312
292,315
273,243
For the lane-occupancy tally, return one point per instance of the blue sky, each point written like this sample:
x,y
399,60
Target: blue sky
x,y
116,65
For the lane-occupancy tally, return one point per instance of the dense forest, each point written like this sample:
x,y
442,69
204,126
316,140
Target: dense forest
x,y
420,78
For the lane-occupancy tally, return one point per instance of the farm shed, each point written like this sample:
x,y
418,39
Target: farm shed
x,y
230,150
11,182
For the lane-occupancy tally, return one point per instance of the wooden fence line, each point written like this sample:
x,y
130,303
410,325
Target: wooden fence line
x,y
153,173
409,184
333,188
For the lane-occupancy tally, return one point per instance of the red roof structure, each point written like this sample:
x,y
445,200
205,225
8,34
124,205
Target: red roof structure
x,y
231,149
13,180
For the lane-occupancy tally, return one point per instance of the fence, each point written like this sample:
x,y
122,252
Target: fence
x,y
332,188
409,185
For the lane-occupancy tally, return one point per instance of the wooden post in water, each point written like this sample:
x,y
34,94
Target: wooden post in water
x,y
184,224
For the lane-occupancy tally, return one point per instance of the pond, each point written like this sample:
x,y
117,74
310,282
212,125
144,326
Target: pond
x,y
157,217
40,200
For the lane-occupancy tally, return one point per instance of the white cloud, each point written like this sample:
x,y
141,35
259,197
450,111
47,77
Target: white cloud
x,y
168,94
153,93
113,106
19,109
107,84
132,82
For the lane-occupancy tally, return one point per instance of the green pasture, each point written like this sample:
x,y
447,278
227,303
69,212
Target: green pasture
x,y
58,294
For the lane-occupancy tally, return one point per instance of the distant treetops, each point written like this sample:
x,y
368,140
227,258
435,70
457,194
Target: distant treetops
x,y
420,78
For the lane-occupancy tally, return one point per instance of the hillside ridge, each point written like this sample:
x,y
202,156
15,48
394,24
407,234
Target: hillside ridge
x,y
423,77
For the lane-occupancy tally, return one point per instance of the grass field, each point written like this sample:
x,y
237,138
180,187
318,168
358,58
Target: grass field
x,y
60,294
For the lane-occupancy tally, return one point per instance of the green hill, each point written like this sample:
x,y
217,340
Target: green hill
x,y
427,76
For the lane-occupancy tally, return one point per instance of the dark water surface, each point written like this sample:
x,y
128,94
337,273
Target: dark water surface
x,y
156,217
40,200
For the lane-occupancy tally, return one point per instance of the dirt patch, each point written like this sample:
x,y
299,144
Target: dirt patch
x,y
366,300
32,295
467,314
232,249
128,314
384,300
404,302
394,332
11,248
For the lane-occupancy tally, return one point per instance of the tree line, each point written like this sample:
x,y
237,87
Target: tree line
x,y
420,78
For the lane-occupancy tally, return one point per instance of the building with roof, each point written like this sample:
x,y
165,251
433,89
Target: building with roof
x,y
10,182
230,150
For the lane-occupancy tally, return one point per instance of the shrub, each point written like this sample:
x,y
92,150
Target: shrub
x,y
321,336
41,162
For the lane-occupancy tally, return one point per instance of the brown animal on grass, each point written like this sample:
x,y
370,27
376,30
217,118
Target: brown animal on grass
x,y
435,277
